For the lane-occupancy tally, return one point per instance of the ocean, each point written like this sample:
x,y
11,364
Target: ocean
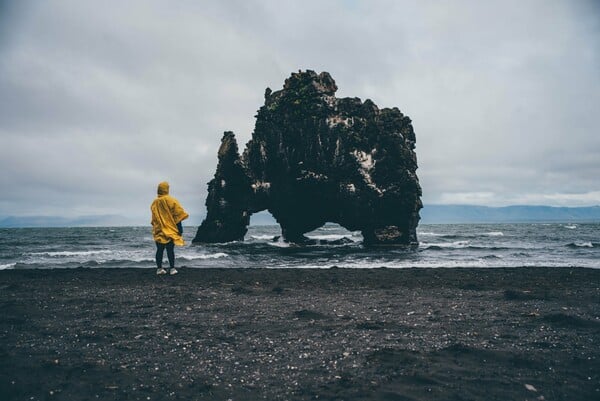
x,y
440,246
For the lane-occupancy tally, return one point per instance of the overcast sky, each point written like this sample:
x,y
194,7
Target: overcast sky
x,y
100,101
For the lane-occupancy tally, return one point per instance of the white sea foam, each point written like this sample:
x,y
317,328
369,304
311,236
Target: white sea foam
x,y
136,259
279,243
205,256
401,264
71,253
7,266
327,237
571,227
449,245
494,234
584,244
262,237
432,234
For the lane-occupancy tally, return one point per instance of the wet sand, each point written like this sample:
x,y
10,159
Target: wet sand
x,y
335,334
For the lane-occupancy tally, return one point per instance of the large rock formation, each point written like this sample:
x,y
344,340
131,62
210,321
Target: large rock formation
x,y
314,158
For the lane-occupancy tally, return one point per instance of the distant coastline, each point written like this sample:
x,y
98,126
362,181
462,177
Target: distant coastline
x,y
430,214
456,214
59,221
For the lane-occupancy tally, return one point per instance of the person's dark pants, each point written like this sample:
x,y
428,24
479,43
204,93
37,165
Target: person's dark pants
x,y
160,249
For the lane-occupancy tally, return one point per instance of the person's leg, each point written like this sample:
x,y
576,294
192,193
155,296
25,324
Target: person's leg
x,y
160,249
171,254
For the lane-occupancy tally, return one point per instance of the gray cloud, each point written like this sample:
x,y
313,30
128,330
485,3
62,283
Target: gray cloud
x,y
98,103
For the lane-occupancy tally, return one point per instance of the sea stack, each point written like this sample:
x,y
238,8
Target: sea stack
x,y
315,158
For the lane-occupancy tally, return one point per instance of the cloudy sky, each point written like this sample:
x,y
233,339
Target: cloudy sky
x,y
100,101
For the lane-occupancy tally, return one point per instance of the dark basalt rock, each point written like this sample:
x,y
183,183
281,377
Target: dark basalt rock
x,y
229,194
314,158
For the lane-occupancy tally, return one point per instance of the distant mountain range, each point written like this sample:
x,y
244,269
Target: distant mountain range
x,y
430,214
455,214
56,221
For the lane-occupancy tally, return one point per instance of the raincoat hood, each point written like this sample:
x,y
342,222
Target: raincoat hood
x,y
163,188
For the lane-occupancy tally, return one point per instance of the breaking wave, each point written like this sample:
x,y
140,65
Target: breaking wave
x,y
205,256
71,253
587,244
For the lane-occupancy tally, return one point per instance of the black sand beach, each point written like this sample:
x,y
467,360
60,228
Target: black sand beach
x,y
336,334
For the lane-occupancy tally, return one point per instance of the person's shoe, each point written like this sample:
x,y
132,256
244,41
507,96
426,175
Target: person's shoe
x,y
160,272
173,271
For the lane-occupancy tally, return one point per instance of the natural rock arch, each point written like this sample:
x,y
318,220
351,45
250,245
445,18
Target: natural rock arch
x,y
314,158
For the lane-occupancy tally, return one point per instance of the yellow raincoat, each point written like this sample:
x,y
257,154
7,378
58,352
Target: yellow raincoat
x,y
166,213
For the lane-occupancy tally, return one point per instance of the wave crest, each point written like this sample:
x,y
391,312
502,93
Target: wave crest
x,y
205,256
581,244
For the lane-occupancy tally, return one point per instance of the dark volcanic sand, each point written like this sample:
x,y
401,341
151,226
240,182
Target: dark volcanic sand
x,y
337,334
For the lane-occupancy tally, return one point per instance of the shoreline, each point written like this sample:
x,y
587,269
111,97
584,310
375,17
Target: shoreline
x,y
14,267
300,334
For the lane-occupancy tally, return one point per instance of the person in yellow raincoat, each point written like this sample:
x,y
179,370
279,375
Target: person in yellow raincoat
x,y
167,215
